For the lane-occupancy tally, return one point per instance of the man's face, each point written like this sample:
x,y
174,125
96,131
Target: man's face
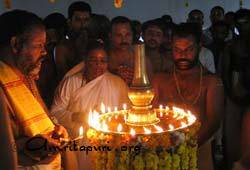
x,y
31,54
216,15
97,63
153,37
185,52
79,21
121,36
52,39
196,17
243,25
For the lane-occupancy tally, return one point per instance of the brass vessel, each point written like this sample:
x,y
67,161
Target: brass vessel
x,y
140,92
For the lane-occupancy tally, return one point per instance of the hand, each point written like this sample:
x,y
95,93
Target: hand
x,y
41,147
60,132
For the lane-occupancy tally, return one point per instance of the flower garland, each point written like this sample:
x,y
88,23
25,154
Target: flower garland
x,y
166,151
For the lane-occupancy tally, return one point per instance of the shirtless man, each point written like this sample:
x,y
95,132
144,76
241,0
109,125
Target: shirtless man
x,y
153,35
71,51
190,85
121,61
236,73
121,52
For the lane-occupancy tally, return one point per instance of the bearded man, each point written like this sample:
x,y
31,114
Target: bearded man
x,y
191,86
121,60
153,35
22,50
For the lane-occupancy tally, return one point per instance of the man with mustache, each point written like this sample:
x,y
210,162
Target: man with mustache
x,y
121,52
153,35
121,60
22,48
71,50
192,87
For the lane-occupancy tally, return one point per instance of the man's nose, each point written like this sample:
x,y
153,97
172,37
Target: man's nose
x,y
43,51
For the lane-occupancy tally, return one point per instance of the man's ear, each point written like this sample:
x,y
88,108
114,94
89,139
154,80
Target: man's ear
x,y
14,44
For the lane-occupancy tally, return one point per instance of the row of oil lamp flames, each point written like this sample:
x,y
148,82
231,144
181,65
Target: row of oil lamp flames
x,y
94,120
101,125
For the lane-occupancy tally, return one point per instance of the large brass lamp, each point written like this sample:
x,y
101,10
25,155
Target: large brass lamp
x,y
141,93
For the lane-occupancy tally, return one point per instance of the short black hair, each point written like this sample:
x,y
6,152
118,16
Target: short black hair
x,y
55,21
95,44
242,13
230,13
186,29
217,8
17,23
195,10
155,22
121,20
99,27
166,18
78,6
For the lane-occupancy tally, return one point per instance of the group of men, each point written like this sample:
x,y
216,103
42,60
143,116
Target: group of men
x,y
93,71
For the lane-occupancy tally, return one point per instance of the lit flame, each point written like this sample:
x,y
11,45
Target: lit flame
x,y
81,132
109,109
161,114
103,109
183,124
160,107
132,132
180,117
177,111
90,118
119,128
167,108
109,119
124,106
191,118
171,127
105,126
159,129
147,131
115,109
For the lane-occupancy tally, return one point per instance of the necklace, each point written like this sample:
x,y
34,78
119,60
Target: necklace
x,y
179,89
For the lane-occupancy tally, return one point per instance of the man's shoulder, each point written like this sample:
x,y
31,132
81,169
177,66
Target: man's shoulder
x,y
213,80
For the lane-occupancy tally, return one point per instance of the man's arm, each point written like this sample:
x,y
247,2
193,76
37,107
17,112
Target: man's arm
x,y
214,110
9,157
63,94
245,149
